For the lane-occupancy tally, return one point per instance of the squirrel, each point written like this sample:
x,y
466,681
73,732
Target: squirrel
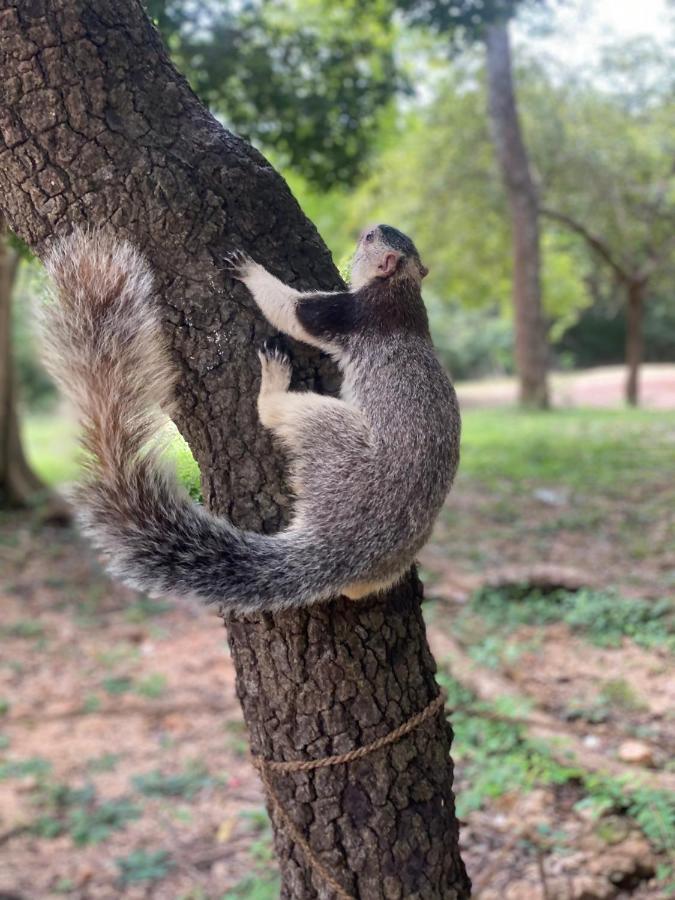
x,y
370,470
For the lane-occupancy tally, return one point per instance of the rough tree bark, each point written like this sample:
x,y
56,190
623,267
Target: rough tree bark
x,y
97,127
635,311
19,485
531,345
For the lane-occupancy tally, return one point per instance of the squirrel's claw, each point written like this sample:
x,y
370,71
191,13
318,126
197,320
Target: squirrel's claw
x,y
237,263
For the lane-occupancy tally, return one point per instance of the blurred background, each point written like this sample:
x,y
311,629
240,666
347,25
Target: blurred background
x,y
533,163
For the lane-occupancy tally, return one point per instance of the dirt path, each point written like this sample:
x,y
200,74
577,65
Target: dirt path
x,y
602,387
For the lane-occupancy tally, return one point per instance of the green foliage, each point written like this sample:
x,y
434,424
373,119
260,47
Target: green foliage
x,y
255,887
152,686
77,812
107,762
616,180
495,755
460,20
652,809
307,80
92,825
497,758
23,628
35,765
471,342
51,447
117,685
457,215
144,865
183,784
602,617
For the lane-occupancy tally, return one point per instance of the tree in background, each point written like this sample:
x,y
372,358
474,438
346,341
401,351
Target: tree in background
x,y
108,133
531,346
487,20
19,485
605,159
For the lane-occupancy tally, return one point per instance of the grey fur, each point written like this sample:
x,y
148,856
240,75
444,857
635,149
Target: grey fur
x,y
370,470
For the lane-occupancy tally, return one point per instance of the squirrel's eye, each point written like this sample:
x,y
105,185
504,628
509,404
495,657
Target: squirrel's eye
x,y
370,236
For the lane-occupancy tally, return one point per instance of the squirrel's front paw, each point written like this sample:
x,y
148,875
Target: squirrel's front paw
x,y
239,264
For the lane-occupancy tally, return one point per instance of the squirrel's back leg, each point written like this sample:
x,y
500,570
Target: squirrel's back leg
x,y
304,420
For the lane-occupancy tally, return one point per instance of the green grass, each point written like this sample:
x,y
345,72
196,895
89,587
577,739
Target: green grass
x,y
144,865
51,447
578,449
181,784
602,617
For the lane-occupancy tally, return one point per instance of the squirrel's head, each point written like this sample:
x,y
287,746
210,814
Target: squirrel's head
x,y
386,253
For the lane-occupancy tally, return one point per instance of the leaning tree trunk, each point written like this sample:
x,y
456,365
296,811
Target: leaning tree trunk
x,y
18,483
97,127
635,310
531,345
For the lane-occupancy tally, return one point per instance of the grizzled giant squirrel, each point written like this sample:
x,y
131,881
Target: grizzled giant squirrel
x,y
370,470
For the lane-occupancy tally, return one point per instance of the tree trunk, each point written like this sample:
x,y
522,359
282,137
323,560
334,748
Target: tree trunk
x,y
18,483
97,127
531,345
635,309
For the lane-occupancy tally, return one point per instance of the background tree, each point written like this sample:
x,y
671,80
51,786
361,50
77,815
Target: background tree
x,y
97,127
465,22
19,485
531,347
613,186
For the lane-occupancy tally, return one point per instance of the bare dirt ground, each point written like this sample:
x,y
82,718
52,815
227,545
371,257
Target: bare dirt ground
x,y
601,387
122,747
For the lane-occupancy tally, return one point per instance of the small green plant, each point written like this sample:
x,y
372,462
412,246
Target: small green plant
x,y
593,711
76,811
23,628
602,617
35,765
117,685
143,865
152,686
497,757
182,784
618,693
91,704
236,740
259,824
89,825
255,887
4,706
107,762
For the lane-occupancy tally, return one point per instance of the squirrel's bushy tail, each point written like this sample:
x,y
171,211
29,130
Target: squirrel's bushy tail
x,y
103,343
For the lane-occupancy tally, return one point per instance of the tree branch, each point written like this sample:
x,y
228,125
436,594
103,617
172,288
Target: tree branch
x,y
596,243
